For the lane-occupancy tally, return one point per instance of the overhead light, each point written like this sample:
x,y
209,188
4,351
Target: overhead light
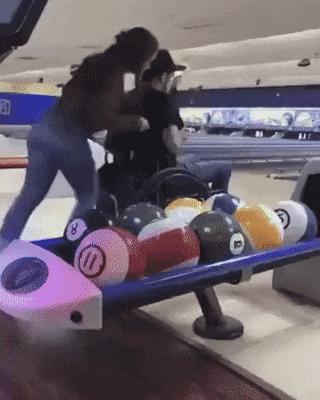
x,y
305,62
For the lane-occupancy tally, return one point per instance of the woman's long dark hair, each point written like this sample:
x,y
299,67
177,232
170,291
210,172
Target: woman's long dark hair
x,y
131,50
129,54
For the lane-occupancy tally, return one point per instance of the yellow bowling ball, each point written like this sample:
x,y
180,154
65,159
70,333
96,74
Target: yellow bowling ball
x,y
185,209
188,202
262,225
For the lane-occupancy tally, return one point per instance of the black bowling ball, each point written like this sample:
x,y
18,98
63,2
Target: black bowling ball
x,y
81,226
221,237
137,216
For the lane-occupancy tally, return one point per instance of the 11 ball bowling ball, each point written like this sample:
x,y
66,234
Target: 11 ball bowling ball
x,y
110,256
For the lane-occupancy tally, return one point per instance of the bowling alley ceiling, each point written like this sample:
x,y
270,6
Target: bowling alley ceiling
x,y
70,29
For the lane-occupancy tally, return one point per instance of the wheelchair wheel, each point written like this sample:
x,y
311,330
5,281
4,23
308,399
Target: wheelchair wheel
x,y
172,183
160,176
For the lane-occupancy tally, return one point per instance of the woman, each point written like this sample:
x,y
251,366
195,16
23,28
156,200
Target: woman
x,y
90,102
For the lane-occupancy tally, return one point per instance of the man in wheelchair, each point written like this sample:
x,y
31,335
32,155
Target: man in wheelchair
x,y
137,156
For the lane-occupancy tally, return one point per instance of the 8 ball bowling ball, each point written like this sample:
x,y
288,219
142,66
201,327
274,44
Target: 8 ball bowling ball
x,y
81,226
221,237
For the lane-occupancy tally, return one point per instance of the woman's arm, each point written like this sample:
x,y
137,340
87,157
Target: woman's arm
x,y
104,115
105,111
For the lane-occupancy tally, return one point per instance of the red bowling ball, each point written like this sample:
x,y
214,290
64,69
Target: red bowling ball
x,y
109,256
137,253
169,244
102,257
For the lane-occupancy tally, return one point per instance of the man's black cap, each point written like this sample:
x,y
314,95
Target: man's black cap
x,y
162,64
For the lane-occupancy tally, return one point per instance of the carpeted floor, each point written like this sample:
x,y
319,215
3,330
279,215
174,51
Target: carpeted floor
x,y
132,358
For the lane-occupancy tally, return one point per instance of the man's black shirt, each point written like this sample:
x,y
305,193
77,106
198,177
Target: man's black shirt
x,y
149,150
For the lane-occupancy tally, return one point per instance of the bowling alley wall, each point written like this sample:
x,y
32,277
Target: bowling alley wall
x,y
258,112
24,103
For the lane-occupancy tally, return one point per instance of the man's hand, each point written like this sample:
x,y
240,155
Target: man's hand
x,y
143,124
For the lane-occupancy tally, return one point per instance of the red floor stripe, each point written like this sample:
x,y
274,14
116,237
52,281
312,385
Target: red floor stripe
x,y
13,162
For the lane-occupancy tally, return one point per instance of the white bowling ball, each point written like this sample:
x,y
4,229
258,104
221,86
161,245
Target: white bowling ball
x,y
298,220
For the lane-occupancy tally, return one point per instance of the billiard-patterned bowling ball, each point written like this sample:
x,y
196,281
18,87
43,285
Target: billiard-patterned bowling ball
x,y
298,220
169,244
262,225
109,256
221,237
81,226
136,216
184,209
223,202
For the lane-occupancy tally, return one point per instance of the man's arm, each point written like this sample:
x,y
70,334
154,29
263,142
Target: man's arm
x,y
173,139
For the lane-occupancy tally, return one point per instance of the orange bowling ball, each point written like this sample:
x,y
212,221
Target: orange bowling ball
x,y
262,225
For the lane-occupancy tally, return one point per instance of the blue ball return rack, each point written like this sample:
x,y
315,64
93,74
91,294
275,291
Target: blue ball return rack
x,y
199,279
288,264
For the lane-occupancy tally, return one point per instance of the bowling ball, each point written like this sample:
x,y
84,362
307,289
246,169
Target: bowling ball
x,y
169,244
185,202
137,253
109,256
90,221
223,202
298,220
262,225
136,216
184,209
221,237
